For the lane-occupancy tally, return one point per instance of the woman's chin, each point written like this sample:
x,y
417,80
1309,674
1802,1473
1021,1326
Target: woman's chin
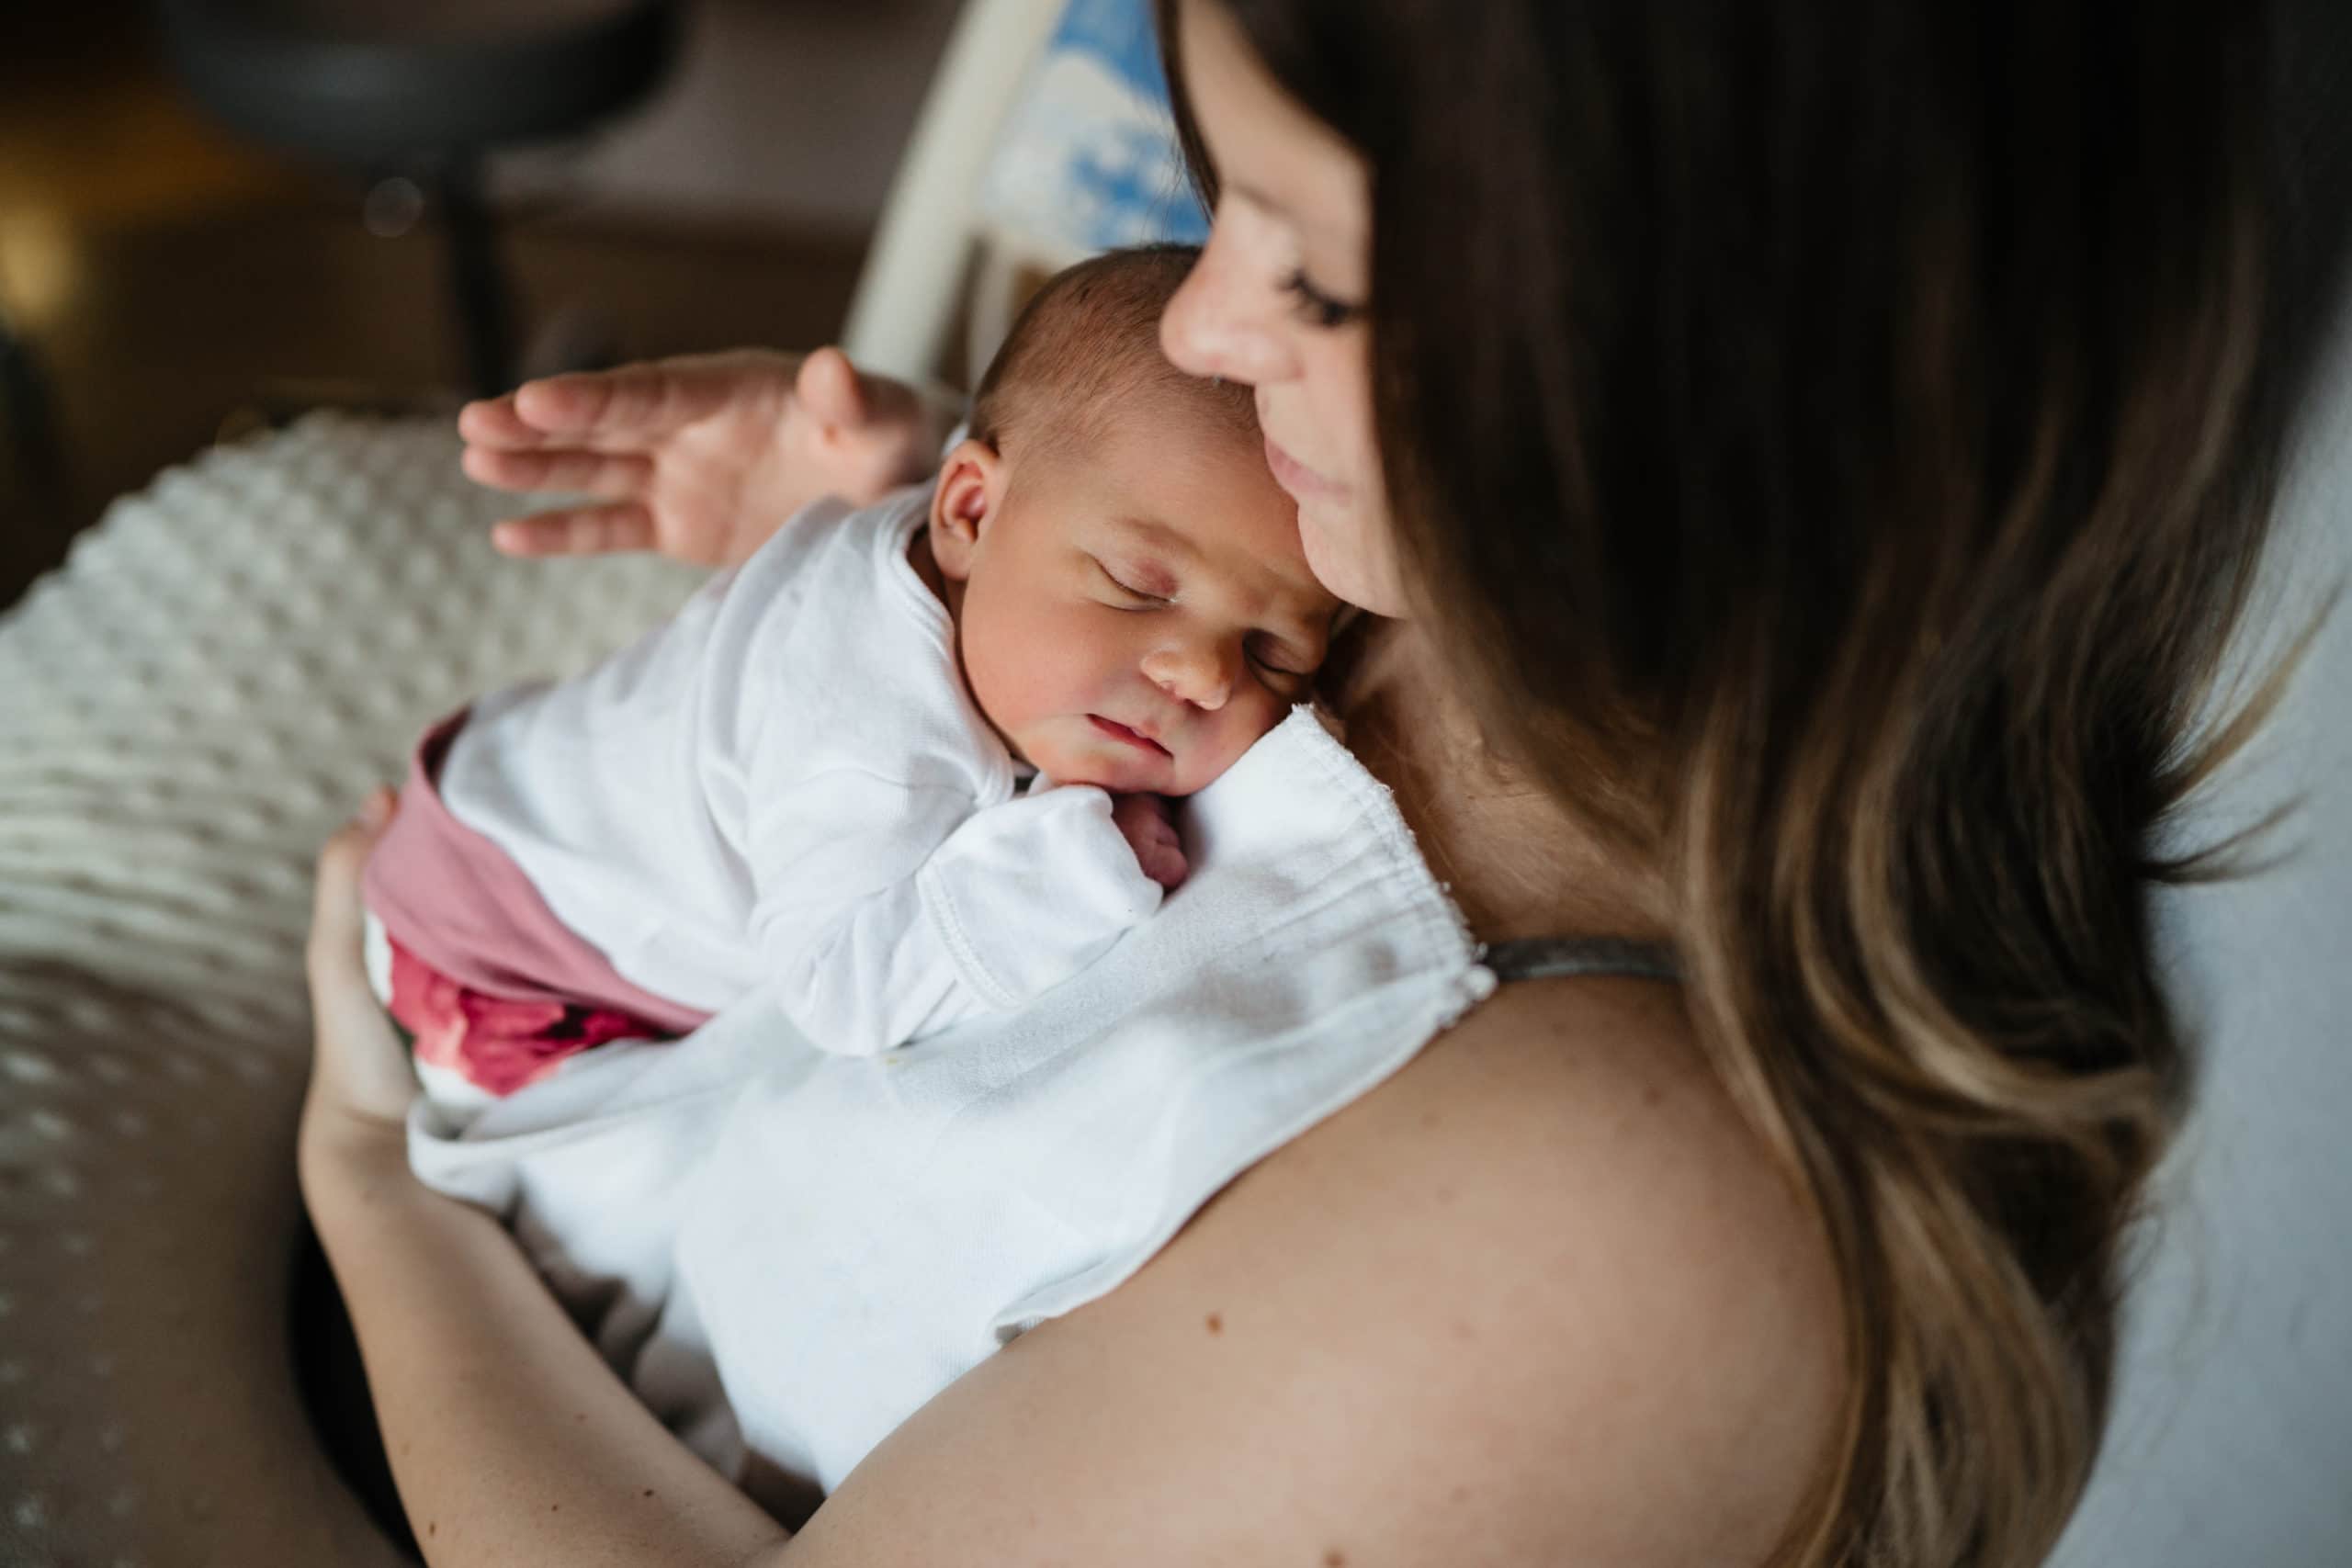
x,y
1353,557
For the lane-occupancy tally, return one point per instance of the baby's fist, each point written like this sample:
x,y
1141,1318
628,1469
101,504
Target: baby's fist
x,y
1143,820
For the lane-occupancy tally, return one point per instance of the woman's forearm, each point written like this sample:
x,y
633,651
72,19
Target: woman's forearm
x,y
513,1443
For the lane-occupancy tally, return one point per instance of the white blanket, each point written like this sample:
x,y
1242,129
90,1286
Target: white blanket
x,y
788,1251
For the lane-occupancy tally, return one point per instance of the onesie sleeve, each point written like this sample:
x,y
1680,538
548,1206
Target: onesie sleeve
x,y
1026,894
887,911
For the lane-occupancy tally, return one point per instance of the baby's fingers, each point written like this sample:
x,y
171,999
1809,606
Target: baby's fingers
x,y
1164,863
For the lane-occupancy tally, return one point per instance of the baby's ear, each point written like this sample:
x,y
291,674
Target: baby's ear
x,y
971,483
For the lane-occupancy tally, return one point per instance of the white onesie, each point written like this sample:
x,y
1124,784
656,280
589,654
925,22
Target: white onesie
x,y
787,788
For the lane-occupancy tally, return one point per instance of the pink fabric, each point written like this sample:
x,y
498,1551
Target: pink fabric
x,y
494,1044
466,914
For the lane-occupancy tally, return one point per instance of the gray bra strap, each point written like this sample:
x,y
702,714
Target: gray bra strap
x,y
1545,957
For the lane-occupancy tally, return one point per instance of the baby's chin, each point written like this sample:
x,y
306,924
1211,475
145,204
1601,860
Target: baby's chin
x,y
1122,773
1115,774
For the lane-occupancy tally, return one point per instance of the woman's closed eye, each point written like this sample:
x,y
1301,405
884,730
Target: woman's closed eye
x,y
1315,307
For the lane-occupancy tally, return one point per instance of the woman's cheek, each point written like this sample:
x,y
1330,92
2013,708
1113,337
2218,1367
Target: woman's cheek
x,y
1348,537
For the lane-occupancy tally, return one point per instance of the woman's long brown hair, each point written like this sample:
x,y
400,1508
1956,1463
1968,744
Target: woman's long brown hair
x,y
1835,441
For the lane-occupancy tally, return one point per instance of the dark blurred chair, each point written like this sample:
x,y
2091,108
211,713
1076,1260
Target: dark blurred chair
x,y
426,89
28,420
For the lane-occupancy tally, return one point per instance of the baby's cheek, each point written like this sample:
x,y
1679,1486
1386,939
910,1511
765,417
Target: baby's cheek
x,y
1249,724
1270,708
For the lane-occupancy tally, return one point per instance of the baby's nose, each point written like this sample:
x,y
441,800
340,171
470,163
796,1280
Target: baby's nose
x,y
1200,675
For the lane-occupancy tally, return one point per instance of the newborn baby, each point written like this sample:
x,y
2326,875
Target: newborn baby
x,y
904,766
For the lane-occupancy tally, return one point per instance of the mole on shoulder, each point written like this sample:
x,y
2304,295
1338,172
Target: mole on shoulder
x,y
1217,1323
1335,1557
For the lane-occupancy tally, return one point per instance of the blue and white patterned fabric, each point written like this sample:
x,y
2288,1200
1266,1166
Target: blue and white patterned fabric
x,y
1089,159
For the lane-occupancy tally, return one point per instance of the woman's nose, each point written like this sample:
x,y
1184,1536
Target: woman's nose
x,y
1219,325
1199,674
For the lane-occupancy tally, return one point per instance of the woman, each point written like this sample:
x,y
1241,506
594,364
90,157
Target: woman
x,y
1808,463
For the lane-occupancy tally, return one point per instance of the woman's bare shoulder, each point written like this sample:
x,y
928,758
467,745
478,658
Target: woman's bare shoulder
x,y
1540,1297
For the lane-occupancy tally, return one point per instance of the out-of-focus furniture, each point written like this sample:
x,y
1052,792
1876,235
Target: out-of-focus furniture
x,y
1046,139
425,89
29,456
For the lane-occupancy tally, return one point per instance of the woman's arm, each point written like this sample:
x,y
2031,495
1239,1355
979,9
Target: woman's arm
x,y
513,1443
1539,1298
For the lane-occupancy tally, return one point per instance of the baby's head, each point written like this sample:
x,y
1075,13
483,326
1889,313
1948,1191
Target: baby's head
x,y
1133,607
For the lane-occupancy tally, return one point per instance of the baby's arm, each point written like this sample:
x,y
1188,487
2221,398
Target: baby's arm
x,y
888,912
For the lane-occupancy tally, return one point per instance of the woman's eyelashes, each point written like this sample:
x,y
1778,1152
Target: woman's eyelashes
x,y
1315,307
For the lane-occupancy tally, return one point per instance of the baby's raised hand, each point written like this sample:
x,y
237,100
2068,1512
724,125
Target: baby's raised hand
x,y
700,458
1144,820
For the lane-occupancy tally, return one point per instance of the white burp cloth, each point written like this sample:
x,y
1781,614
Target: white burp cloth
x,y
833,1240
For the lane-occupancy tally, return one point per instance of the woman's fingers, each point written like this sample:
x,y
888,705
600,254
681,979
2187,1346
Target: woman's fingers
x,y
359,1069
577,531
871,433
641,403
573,472
635,404
334,906
495,423
830,391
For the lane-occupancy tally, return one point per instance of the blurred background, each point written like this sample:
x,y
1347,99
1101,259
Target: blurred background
x,y
186,252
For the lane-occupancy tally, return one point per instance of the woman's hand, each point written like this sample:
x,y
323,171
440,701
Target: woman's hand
x,y
700,458
511,1441
361,1082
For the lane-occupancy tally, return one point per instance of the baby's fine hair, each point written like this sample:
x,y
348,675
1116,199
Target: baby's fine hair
x,y
1086,349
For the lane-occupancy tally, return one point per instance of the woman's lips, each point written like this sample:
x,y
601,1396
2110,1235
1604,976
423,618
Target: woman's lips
x,y
1118,731
1303,483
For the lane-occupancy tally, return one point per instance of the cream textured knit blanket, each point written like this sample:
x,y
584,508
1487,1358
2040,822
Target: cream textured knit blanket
x,y
186,709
